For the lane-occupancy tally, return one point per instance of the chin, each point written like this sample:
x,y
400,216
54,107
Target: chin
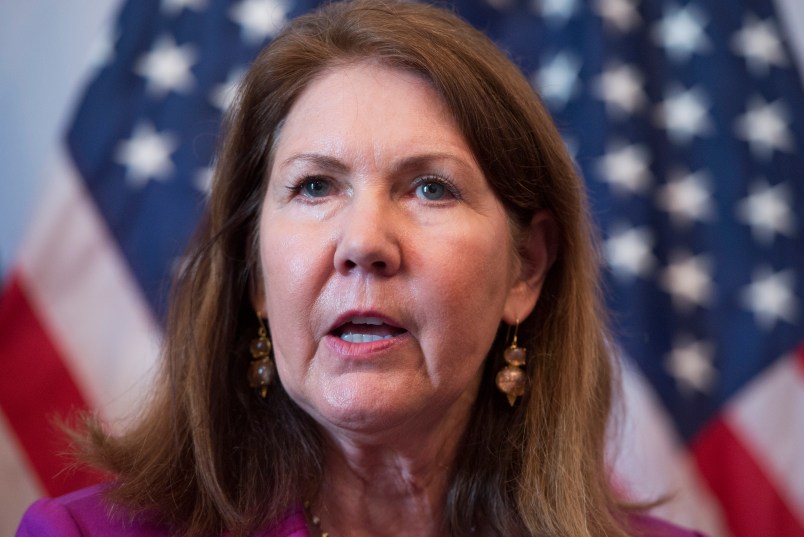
x,y
361,411
385,415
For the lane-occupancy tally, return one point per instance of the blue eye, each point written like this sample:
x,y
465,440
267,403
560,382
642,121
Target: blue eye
x,y
432,191
315,187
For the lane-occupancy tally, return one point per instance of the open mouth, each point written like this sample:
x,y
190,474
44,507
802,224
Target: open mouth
x,y
366,330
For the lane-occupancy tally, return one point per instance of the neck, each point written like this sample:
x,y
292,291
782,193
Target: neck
x,y
394,484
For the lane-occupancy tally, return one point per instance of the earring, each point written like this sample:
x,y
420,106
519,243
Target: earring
x,y
511,379
261,368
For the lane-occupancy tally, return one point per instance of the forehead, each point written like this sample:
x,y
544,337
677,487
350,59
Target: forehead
x,y
371,106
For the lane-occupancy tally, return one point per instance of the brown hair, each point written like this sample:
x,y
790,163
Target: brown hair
x,y
210,456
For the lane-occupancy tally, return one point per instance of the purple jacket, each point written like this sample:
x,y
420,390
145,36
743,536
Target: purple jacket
x,y
84,514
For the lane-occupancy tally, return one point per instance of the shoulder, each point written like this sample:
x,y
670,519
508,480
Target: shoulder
x,y
648,526
85,513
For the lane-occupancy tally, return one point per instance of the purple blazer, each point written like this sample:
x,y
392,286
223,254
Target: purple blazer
x,y
84,514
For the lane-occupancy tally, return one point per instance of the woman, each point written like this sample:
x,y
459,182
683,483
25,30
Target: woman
x,y
395,224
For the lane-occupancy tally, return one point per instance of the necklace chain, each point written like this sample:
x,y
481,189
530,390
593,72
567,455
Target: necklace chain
x,y
315,520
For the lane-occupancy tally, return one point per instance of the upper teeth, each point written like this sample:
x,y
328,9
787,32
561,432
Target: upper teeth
x,y
366,320
363,338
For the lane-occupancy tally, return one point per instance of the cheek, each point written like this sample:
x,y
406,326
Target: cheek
x,y
291,257
467,292
292,266
477,267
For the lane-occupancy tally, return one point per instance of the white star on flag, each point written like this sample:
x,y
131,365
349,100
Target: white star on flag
x,y
202,180
684,114
770,297
764,127
174,7
687,197
690,363
572,145
146,155
557,80
102,51
767,210
622,15
688,280
628,251
260,19
681,32
166,67
222,95
758,42
625,168
556,11
620,87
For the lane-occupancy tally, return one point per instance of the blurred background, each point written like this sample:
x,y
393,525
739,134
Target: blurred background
x,y
685,117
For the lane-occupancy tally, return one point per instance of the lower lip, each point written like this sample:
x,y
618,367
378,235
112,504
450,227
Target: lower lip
x,y
348,349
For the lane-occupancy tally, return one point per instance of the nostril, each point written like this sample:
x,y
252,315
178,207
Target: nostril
x,y
375,265
365,250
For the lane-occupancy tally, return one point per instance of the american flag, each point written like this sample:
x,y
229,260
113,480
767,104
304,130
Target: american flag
x,y
686,119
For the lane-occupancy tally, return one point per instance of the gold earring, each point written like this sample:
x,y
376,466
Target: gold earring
x,y
511,379
261,368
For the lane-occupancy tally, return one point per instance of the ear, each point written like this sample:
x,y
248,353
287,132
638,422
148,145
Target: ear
x,y
538,250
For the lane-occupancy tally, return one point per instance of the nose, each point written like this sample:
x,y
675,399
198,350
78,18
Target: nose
x,y
368,241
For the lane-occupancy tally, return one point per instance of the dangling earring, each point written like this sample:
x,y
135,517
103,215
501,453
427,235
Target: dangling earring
x,y
261,368
511,379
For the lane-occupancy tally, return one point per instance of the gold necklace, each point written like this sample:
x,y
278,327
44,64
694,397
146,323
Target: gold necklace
x,y
314,519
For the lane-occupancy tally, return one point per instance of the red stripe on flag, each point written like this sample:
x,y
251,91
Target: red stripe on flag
x,y
751,504
35,389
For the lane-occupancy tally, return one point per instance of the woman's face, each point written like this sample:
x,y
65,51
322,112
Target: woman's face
x,y
387,260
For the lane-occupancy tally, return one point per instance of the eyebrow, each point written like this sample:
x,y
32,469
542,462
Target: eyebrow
x,y
414,162
321,161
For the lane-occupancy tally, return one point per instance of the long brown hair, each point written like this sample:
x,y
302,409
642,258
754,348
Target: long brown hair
x,y
209,455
